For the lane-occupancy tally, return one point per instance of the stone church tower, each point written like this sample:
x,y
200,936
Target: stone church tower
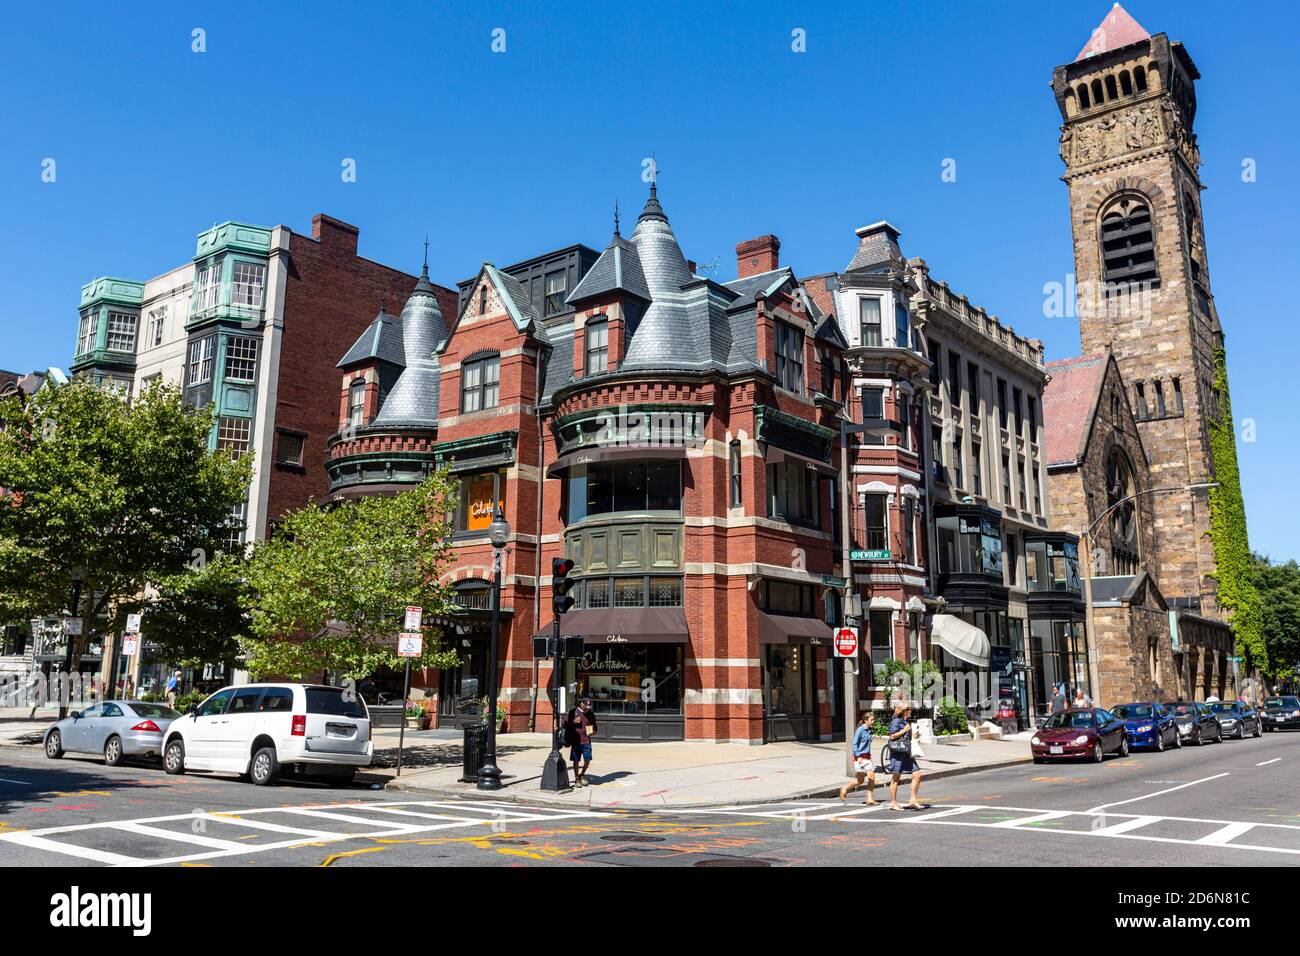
x,y
1128,102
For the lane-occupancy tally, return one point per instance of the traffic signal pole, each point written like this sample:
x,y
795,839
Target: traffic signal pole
x,y
555,774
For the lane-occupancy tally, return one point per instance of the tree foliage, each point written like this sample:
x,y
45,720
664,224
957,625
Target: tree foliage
x,y
198,617
123,491
1279,591
329,589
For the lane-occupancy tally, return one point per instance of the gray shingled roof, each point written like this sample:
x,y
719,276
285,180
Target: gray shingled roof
x,y
617,269
877,249
381,340
414,397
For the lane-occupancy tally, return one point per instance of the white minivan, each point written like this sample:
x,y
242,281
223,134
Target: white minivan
x,y
258,730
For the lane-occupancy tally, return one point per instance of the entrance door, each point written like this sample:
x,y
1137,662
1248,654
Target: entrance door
x,y
787,692
460,692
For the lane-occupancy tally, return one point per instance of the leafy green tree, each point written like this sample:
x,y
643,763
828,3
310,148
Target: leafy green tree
x,y
329,589
198,617
121,492
1279,591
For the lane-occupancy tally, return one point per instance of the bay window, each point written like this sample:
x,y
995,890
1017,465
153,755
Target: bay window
x,y
792,492
869,322
247,284
121,332
608,487
88,332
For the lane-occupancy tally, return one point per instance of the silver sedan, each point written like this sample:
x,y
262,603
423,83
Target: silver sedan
x,y
112,728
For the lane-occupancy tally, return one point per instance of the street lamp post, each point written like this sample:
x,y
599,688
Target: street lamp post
x,y
1085,541
77,575
489,774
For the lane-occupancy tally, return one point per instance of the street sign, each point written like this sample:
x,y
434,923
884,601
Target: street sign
x,y
72,626
1236,660
410,645
875,554
846,642
130,645
413,617
133,624
831,580
852,620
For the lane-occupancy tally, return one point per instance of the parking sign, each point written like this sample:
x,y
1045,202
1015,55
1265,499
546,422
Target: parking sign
x,y
410,645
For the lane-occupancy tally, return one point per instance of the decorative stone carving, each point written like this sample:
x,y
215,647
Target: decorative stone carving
x,y
1123,131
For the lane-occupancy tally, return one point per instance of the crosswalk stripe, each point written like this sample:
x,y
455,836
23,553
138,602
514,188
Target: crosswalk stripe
x,y
1116,829
195,838
1224,834
54,846
1025,821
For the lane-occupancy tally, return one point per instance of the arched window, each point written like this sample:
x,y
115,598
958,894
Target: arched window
x,y
1128,250
1084,101
1125,83
357,402
1140,78
1112,93
1098,97
1125,547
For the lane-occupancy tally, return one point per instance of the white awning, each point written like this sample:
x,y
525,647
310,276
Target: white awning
x,y
964,641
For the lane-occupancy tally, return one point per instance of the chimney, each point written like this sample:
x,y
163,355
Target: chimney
x,y
334,233
754,256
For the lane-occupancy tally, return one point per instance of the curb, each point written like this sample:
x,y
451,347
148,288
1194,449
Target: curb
x,y
397,785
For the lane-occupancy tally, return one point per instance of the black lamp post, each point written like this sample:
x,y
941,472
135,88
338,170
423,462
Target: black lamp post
x,y
77,575
489,774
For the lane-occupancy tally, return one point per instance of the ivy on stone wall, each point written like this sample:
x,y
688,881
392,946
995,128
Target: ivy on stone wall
x,y
1235,567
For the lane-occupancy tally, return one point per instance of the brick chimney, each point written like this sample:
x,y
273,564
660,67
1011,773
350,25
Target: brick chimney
x,y
334,233
753,256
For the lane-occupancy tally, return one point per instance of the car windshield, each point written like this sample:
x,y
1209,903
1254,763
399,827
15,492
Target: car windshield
x,y
1282,702
1133,711
161,711
1183,708
1070,718
334,703
1223,706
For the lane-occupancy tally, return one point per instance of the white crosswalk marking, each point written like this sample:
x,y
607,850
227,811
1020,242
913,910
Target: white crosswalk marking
x,y
1072,823
210,845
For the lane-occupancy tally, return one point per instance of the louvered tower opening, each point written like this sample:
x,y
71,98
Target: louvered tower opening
x,y
1128,244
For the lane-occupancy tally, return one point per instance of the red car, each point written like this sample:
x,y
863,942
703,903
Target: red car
x,y
1085,733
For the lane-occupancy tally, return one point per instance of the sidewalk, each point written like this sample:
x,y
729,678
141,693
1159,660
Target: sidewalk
x,y
664,775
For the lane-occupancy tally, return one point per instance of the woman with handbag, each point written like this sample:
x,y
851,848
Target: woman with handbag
x,y
901,760
862,769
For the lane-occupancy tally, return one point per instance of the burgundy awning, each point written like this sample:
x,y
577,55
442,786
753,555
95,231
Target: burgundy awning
x,y
597,453
786,629
625,625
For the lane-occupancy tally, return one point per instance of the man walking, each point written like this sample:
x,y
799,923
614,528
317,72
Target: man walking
x,y
173,688
579,726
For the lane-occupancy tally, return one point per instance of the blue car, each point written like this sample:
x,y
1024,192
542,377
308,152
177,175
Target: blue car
x,y
1149,725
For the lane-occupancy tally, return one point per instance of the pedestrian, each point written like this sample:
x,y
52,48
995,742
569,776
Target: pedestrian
x,y
173,688
901,760
1212,699
1058,698
862,769
579,727
1081,700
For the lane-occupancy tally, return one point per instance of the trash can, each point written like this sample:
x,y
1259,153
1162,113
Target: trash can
x,y
473,751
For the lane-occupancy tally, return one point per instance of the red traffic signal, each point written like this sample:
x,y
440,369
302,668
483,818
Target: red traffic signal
x,y
561,585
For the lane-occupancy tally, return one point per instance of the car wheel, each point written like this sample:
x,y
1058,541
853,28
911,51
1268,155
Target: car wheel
x,y
113,751
265,768
1160,741
1123,746
1258,728
1039,760
344,779
174,756
1178,740
1097,754
54,745
1241,732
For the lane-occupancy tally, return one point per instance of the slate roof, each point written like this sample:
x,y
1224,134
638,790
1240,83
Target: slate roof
x,y
414,397
617,269
877,250
1117,29
381,340
1069,403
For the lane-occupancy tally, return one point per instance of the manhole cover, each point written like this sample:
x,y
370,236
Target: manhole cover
x,y
513,842
732,861
632,838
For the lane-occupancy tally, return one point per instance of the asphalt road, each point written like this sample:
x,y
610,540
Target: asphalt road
x,y
1234,803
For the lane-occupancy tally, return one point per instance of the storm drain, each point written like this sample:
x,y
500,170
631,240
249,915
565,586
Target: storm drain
x,y
632,838
730,861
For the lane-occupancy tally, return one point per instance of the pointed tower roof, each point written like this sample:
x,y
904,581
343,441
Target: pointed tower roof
x,y
617,269
381,340
1117,29
414,398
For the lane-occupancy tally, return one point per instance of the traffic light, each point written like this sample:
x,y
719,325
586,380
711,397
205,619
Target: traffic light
x,y
561,585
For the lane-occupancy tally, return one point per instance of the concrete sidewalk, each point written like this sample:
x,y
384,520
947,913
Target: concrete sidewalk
x,y
665,775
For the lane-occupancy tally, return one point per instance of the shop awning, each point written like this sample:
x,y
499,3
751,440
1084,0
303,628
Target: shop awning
x,y
787,629
599,453
960,639
625,625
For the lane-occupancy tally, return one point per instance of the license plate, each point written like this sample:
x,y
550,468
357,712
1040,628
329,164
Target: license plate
x,y
1279,718
340,730
1056,750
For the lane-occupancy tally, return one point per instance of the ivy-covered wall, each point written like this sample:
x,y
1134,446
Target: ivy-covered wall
x,y
1235,567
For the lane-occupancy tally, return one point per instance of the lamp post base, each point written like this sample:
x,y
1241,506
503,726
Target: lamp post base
x,y
489,775
555,774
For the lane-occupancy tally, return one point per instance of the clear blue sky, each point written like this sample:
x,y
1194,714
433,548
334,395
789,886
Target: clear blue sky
x,y
501,156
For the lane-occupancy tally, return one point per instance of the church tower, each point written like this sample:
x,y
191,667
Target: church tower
x,y
1128,102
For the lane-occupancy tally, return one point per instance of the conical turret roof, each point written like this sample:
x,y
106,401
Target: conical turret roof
x,y
414,398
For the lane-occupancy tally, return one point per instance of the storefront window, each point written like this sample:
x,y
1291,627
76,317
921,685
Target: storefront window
x,y
631,679
474,501
1053,565
603,488
787,679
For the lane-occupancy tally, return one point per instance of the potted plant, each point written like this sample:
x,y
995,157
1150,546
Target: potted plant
x,y
500,713
414,716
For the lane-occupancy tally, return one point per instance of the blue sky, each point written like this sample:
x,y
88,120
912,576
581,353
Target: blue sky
x,y
504,155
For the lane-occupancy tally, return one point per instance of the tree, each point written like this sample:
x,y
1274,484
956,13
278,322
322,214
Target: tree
x,y
1279,591
123,493
198,617
328,590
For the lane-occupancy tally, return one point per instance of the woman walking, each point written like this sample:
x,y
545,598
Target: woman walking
x,y
862,769
901,760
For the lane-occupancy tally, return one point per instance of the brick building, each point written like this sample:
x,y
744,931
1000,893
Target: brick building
x,y
1132,416
252,323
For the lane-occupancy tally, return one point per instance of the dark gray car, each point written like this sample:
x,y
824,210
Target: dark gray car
x,y
113,729
1196,725
1236,719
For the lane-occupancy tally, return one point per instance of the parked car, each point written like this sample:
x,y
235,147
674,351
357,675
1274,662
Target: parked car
x,y
1149,724
258,730
1236,718
1281,712
1089,732
113,728
1196,724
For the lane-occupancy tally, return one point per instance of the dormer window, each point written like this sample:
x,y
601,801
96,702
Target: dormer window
x,y
480,383
597,337
556,286
357,402
789,357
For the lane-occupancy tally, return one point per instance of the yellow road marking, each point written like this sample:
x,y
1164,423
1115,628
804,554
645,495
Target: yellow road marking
x,y
329,860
